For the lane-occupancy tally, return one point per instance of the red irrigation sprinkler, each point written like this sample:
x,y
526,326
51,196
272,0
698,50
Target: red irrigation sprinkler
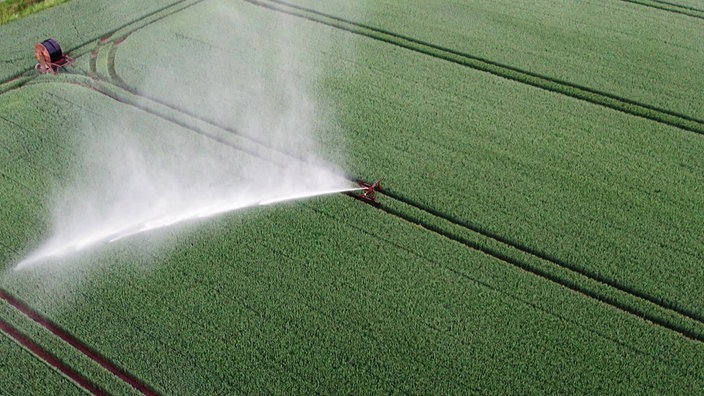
x,y
50,57
367,192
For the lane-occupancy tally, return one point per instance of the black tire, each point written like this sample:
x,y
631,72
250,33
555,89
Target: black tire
x,y
54,49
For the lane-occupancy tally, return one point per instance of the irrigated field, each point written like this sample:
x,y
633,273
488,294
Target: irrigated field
x,y
540,227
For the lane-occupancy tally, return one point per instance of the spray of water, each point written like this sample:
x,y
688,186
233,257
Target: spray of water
x,y
135,174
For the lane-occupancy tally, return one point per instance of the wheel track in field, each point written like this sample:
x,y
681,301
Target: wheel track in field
x,y
50,359
545,256
684,6
93,73
16,82
115,79
497,254
142,107
505,293
606,290
693,12
119,83
615,102
80,49
591,95
629,308
494,253
110,77
77,344
694,319
601,98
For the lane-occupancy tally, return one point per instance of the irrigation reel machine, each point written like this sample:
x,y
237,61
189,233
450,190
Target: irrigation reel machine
x,y
50,57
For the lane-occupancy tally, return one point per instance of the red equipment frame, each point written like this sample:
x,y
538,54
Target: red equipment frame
x,y
368,193
50,57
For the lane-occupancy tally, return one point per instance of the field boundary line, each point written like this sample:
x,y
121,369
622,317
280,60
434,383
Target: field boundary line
x,y
547,274
118,82
121,98
594,96
50,359
77,344
670,7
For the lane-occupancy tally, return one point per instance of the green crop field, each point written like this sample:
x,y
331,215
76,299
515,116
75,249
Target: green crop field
x,y
540,228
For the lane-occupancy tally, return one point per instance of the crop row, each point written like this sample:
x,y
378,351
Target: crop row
x,y
619,49
310,297
22,373
68,355
340,320
558,169
666,320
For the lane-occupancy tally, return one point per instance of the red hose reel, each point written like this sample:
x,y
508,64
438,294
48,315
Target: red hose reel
x,y
50,57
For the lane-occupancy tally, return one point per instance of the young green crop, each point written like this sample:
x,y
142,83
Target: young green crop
x,y
24,374
74,24
634,52
310,298
332,295
596,188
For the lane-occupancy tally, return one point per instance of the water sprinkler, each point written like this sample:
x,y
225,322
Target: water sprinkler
x,y
367,192
50,57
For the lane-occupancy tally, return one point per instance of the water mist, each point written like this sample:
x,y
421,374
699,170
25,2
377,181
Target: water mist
x,y
135,173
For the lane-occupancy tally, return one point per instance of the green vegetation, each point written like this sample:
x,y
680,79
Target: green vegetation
x,y
15,9
530,240
23,374
67,354
634,53
77,25
524,163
